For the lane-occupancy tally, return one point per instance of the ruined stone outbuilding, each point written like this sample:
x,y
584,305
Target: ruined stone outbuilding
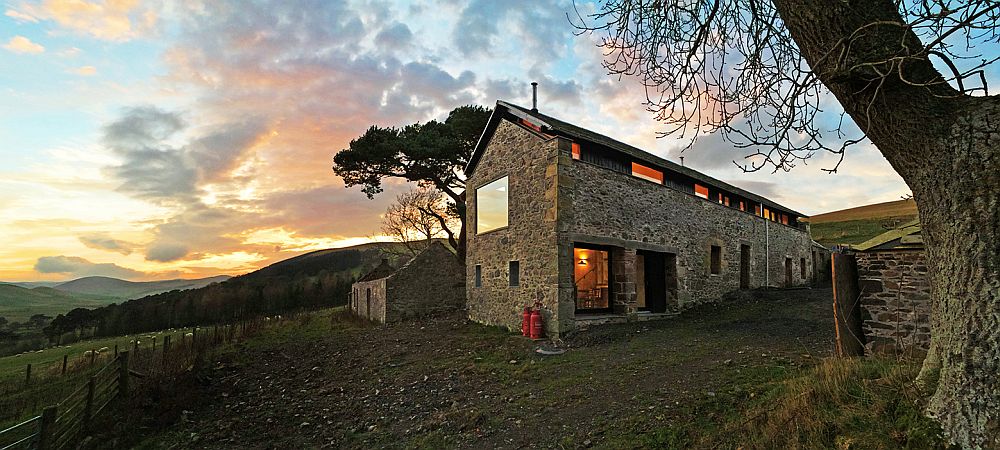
x,y
895,292
432,282
598,231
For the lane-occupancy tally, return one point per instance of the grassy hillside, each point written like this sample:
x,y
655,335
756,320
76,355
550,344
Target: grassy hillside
x,y
898,208
17,303
113,287
856,225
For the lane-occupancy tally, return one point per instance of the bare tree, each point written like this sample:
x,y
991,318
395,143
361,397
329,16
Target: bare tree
x,y
418,217
759,71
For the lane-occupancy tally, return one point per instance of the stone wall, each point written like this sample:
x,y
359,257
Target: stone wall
x,y
529,160
604,207
368,299
431,283
555,201
895,301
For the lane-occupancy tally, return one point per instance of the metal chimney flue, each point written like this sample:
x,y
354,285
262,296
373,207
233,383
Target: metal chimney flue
x,y
534,96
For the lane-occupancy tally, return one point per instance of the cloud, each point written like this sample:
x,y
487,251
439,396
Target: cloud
x,y
105,242
396,36
155,168
166,252
21,44
79,267
113,20
85,71
20,17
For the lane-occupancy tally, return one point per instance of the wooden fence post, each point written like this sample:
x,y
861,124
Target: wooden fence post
x,y
116,350
154,344
27,375
847,305
46,428
65,360
166,344
123,374
93,356
88,408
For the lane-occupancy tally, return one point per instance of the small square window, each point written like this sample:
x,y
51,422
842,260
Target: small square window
x,y
479,276
716,260
515,273
575,149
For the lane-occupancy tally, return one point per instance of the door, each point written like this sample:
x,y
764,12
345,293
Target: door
x,y
654,281
744,266
788,272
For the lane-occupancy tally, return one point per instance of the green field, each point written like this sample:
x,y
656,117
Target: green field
x,y
856,225
17,304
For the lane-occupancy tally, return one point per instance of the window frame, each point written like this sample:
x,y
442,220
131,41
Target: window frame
x,y
477,277
479,203
715,259
513,273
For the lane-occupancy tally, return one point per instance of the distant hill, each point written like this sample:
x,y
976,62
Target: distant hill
x,y
856,225
317,279
113,287
18,303
898,208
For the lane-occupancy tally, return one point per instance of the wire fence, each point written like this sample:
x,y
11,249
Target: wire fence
x,y
63,424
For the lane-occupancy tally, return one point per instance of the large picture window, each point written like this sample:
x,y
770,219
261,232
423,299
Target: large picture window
x,y
491,206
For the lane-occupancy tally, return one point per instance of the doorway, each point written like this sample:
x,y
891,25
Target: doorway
x,y
788,272
744,266
656,280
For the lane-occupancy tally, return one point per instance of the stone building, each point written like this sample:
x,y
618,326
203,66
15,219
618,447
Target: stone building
x,y
430,283
598,231
895,291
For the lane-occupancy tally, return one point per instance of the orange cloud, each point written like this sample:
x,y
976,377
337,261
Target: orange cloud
x,y
112,20
21,44
85,71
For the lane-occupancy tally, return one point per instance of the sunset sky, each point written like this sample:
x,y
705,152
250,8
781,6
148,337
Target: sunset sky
x,y
192,138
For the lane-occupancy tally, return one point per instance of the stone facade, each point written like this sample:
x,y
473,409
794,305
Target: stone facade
x,y
430,283
557,203
895,301
529,162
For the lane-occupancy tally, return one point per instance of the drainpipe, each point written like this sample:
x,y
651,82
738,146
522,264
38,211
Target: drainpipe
x,y
767,254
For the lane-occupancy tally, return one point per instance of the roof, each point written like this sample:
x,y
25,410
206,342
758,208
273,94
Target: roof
x,y
380,271
906,237
552,125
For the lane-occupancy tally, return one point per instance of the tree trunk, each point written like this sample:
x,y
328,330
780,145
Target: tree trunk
x,y
944,145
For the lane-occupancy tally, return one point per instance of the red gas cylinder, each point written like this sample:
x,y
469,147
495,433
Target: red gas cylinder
x,y
526,321
536,324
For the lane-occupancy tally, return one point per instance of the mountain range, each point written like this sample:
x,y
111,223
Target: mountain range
x,y
20,300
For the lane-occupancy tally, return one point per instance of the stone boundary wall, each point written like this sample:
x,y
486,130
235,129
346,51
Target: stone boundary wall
x,y
895,301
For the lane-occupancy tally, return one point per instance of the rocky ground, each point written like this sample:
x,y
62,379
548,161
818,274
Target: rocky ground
x,y
330,381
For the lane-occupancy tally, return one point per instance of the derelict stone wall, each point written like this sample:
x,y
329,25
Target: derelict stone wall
x,y
368,299
895,301
431,283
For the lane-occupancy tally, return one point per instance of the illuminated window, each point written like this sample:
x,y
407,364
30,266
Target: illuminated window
x,y
784,219
756,210
716,260
531,125
491,206
701,191
726,202
576,151
647,173
743,205
767,213
720,198
590,277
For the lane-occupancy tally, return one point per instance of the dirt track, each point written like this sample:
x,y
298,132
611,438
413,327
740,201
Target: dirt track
x,y
447,383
